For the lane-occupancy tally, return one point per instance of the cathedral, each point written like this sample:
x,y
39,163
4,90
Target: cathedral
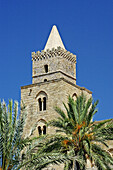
x,y
53,80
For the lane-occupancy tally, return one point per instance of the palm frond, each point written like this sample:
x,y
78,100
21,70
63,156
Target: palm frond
x,y
92,112
82,135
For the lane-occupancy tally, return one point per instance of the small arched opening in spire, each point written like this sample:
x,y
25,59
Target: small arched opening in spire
x,y
46,68
45,80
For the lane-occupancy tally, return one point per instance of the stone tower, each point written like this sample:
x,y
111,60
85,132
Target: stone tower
x,y
53,80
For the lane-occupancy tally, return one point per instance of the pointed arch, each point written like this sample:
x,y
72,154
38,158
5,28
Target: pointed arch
x,y
74,96
41,125
41,93
41,98
41,120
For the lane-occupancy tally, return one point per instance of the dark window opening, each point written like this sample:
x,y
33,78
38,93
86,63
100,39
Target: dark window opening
x,y
74,95
44,130
23,156
46,68
44,103
40,104
39,130
30,92
45,80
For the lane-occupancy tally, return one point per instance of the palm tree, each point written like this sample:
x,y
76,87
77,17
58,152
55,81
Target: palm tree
x,y
80,136
17,152
36,158
11,130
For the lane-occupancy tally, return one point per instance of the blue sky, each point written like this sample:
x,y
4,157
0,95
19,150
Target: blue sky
x,y
86,28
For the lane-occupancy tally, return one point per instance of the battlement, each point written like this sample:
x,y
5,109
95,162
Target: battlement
x,y
54,52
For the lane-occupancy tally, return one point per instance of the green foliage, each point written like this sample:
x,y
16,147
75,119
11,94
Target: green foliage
x,y
81,136
37,156
78,138
17,152
11,131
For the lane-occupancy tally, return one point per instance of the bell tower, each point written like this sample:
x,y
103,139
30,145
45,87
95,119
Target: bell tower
x,y
54,61
53,80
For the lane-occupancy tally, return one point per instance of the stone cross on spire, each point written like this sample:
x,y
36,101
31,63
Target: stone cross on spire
x,y
54,40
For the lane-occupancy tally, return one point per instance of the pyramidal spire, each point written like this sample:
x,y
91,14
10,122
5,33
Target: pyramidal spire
x,y
54,40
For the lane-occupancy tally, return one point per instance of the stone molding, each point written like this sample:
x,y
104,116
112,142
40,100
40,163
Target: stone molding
x,y
46,74
56,80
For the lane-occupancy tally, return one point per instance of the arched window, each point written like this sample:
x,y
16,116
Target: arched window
x,y
44,103
45,80
46,68
40,104
44,130
39,130
41,125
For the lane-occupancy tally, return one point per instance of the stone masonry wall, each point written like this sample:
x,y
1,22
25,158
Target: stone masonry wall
x,y
57,92
53,76
56,63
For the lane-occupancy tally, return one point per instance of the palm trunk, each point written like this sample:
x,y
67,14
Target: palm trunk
x,y
75,166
